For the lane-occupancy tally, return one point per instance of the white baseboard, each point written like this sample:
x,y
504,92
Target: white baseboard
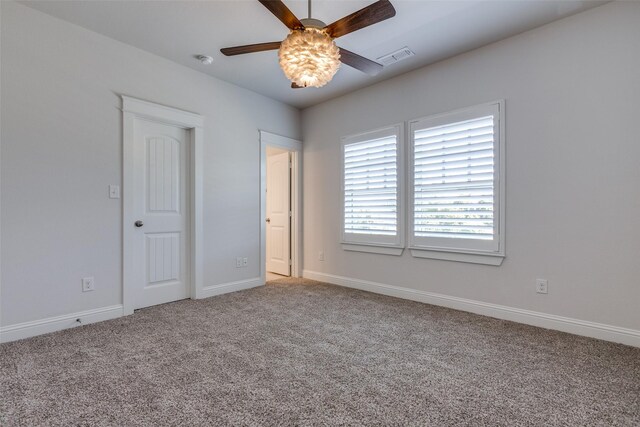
x,y
58,323
52,324
225,288
549,321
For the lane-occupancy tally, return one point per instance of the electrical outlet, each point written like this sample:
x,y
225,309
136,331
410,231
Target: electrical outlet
x,y
542,286
245,262
321,256
238,262
88,284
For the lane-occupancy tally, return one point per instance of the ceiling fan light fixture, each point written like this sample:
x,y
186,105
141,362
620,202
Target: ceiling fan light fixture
x,y
309,57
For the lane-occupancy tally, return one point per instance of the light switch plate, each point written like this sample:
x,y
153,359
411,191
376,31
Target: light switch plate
x,y
114,191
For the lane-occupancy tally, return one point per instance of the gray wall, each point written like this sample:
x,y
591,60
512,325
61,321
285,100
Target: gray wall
x,y
62,147
573,203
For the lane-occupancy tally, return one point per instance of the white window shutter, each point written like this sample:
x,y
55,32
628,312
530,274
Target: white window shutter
x,y
371,188
454,182
453,179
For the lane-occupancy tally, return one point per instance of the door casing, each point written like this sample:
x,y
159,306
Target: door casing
x,y
133,109
295,147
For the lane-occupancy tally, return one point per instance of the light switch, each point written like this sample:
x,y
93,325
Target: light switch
x,y
114,191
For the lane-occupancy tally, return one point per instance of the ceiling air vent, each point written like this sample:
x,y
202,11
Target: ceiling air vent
x,y
396,56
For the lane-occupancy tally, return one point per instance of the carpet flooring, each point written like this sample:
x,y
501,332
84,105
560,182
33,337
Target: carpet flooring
x,y
306,353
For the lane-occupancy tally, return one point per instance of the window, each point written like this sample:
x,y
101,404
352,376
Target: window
x,y
455,186
372,219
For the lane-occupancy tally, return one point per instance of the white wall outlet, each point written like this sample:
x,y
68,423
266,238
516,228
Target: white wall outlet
x,y
88,284
245,262
321,256
238,262
114,191
542,286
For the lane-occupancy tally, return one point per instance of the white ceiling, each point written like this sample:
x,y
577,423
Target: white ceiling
x,y
180,29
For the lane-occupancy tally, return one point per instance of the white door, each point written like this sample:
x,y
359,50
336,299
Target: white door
x,y
160,208
278,214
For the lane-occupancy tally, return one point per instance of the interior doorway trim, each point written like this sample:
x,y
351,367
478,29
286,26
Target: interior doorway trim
x,y
295,147
133,109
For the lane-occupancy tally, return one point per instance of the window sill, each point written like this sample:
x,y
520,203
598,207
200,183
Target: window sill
x,y
383,250
469,257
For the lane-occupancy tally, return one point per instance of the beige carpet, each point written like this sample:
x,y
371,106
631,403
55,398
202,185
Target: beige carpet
x,y
306,353
273,276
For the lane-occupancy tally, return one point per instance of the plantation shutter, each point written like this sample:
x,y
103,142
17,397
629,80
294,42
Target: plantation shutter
x,y
454,182
370,184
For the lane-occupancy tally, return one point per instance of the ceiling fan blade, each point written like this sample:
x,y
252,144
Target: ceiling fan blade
x,y
295,86
360,62
250,48
372,14
282,12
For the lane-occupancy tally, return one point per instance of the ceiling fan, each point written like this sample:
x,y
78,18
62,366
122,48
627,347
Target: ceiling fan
x,y
309,55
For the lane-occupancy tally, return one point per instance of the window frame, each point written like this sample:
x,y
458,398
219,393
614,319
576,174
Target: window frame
x,y
454,249
376,243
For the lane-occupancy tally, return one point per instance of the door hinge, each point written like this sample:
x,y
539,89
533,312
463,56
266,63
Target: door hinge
x,y
290,214
290,262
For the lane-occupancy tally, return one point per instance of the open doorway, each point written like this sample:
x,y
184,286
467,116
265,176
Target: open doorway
x,y
280,206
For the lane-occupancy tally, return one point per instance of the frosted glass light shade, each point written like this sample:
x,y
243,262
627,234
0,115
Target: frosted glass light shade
x,y
309,57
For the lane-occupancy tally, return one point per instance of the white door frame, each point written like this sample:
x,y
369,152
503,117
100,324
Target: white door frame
x,y
295,147
133,109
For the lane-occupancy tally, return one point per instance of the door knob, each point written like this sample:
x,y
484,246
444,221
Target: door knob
x,y
138,223
268,219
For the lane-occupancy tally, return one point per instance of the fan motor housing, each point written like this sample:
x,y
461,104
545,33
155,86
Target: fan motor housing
x,y
313,23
